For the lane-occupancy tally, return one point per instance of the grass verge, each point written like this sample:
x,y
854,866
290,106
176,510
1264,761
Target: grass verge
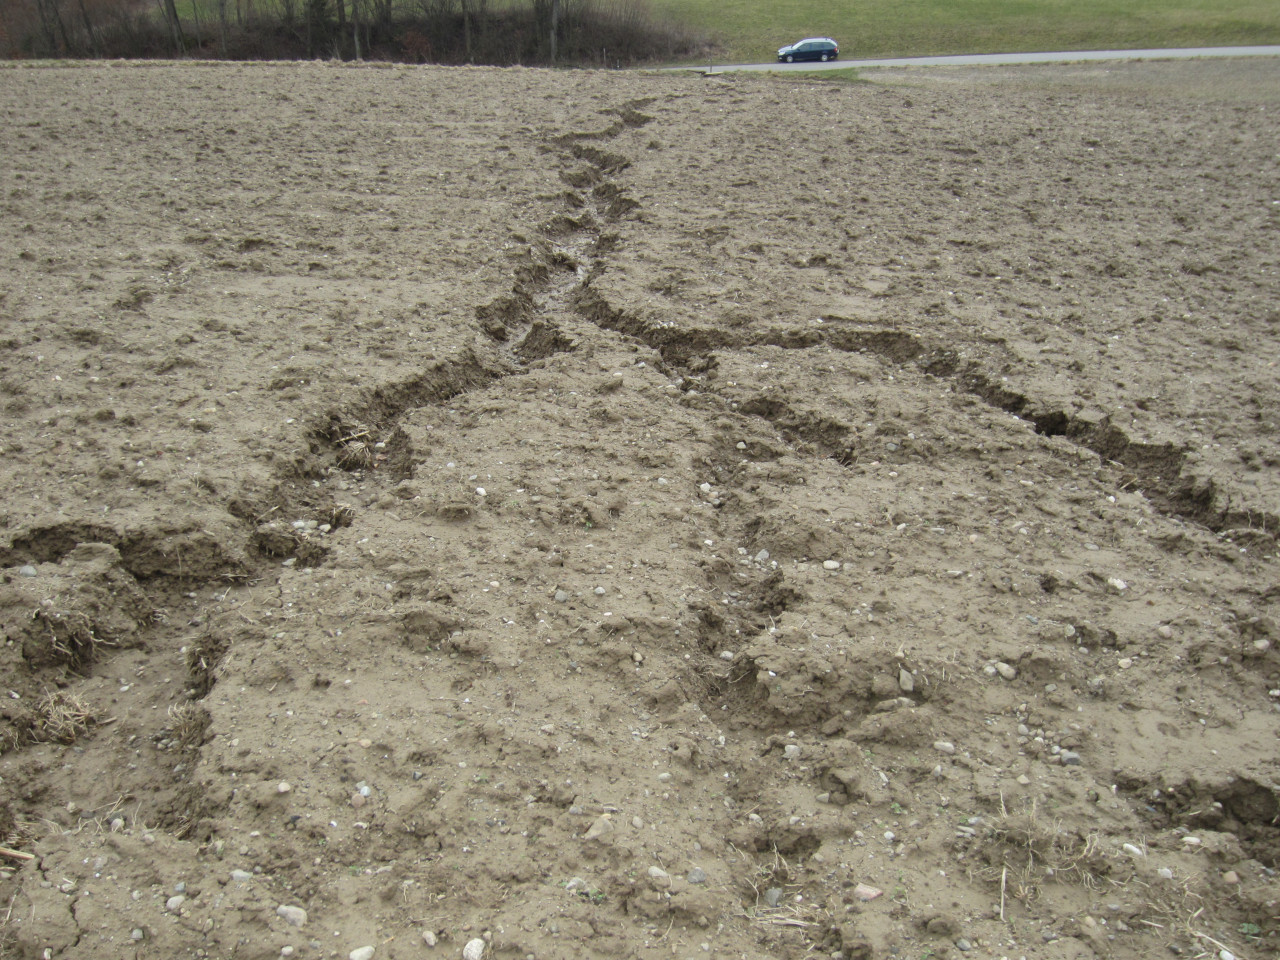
x,y
750,31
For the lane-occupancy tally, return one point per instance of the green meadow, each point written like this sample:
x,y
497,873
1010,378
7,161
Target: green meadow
x,y
752,30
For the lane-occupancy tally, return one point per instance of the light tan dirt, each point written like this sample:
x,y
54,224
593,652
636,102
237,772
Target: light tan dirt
x,y
621,515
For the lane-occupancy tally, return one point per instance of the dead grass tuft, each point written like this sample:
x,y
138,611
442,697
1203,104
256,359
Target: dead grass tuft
x,y
188,723
61,717
1026,848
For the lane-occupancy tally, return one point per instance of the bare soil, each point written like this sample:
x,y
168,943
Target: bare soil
x,y
623,515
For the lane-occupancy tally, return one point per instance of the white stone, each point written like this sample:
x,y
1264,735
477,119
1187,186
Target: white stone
x,y
474,949
1005,670
290,914
361,953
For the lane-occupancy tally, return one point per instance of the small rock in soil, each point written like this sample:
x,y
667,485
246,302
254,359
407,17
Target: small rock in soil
x,y
474,949
773,896
696,875
290,914
360,953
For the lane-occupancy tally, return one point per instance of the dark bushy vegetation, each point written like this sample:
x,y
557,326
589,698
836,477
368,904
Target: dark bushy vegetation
x,y
577,32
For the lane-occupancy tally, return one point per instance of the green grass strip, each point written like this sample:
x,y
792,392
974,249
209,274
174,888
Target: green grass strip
x,y
752,30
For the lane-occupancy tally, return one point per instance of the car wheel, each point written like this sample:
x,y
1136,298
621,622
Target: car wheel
x,y
825,58
790,58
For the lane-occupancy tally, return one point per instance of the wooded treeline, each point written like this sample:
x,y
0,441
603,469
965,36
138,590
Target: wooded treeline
x,y
575,32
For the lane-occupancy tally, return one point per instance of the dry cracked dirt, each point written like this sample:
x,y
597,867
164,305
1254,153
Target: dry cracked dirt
x,y
591,515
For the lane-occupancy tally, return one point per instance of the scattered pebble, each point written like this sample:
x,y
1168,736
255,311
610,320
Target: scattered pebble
x,y
429,937
696,875
791,751
906,682
174,903
944,746
773,896
137,933
1133,850
27,570
474,949
726,654
963,945
561,596
657,873
602,827
830,564
361,953
1069,758
241,876
289,914
1164,873
1231,877
283,786
1006,670
866,893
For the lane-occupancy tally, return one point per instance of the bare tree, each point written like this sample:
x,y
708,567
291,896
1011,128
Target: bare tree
x,y
170,11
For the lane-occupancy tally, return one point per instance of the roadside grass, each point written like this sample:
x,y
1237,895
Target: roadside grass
x,y
839,75
750,31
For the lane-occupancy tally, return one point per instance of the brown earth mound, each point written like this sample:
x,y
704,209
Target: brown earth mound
x,y
619,515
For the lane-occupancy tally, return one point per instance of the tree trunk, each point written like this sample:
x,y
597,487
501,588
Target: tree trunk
x,y
466,29
88,28
555,26
175,28
222,27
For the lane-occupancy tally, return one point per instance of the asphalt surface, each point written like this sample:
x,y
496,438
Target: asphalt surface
x,y
1065,56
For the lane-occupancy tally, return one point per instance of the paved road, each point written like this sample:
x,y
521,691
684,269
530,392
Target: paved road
x,y
1066,56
